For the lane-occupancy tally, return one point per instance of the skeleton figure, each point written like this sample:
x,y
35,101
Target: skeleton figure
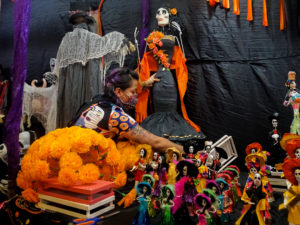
x,y
3,169
162,16
297,175
297,153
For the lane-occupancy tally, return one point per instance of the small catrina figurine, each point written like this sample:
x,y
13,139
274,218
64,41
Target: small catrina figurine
x,y
167,196
173,157
144,190
202,206
213,211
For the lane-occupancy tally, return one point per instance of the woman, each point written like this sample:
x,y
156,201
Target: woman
x,y
106,114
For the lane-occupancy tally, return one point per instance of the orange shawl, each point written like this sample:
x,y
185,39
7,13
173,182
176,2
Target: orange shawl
x,y
149,64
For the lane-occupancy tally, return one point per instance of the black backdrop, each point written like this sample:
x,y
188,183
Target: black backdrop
x,y
237,68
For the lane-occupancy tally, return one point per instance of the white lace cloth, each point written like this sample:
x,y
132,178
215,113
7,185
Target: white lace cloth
x,y
41,103
81,45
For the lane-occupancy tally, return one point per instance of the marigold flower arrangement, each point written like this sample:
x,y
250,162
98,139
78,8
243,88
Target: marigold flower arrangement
x,y
74,155
154,41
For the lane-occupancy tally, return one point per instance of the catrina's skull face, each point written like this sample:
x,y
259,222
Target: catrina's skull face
x,y
162,16
174,156
142,153
217,156
274,123
168,192
253,150
191,149
155,156
160,159
253,170
297,175
204,202
214,189
198,163
185,171
3,153
297,153
257,180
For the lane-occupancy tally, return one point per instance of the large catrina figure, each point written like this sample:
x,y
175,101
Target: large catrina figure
x,y
169,116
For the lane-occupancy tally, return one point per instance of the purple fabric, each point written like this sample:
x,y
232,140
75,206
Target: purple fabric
x,y
144,31
19,69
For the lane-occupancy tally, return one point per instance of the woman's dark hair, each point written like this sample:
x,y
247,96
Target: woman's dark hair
x,y
164,193
118,78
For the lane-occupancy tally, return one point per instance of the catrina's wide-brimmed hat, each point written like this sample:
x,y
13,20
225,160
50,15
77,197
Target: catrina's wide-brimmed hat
x,y
291,147
225,177
192,169
147,177
221,180
289,167
255,158
210,194
234,167
222,152
210,184
286,138
170,152
254,145
198,200
140,186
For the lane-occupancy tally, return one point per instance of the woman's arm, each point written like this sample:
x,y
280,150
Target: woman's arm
x,y
142,136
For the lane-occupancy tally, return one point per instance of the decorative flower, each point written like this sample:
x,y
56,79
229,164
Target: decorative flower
x,y
154,40
67,176
173,11
120,180
88,173
22,182
30,195
71,160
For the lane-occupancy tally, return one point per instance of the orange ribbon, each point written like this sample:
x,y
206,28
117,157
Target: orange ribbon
x,y
236,7
265,14
249,10
226,4
282,15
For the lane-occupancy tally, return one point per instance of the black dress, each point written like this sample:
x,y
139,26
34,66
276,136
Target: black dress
x,y
166,121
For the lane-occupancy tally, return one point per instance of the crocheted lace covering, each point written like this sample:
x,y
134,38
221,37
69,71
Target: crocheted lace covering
x,y
81,45
41,103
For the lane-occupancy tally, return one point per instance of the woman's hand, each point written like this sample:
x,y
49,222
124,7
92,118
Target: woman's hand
x,y
151,81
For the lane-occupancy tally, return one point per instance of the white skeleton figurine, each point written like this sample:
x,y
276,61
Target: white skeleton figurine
x,y
297,153
3,161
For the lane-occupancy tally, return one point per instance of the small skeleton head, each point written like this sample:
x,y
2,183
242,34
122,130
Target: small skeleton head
x,y
191,149
297,153
185,171
198,163
3,153
155,156
274,123
257,180
142,153
297,175
253,170
174,156
162,16
253,150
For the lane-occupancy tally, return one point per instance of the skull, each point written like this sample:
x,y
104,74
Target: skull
x,y
257,180
274,123
191,149
297,153
155,155
162,16
253,170
297,175
160,159
52,63
174,156
185,171
198,163
253,150
3,153
142,153
24,141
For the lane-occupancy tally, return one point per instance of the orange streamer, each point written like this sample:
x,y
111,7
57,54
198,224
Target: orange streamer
x,y
283,24
249,11
226,4
265,14
236,7
99,15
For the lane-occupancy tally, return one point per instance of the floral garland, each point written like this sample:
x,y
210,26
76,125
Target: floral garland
x,y
74,155
154,41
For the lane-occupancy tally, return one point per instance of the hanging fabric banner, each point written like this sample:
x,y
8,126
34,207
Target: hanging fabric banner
x,y
144,31
11,130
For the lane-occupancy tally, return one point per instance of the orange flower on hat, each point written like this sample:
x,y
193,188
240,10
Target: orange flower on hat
x,y
254,145
173,11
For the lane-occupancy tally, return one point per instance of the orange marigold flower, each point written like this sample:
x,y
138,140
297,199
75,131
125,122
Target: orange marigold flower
x,y
120,180
151,46
160,53
155,50
173,11
88,173
22,182
71,160
160,44
59,147
166,65
30,195
40,170
156,40
67,176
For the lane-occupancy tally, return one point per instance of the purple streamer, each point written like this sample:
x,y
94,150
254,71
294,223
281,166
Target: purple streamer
x,y
144,31
22,10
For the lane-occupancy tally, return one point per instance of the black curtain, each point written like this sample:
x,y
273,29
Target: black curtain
x,y
237,69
